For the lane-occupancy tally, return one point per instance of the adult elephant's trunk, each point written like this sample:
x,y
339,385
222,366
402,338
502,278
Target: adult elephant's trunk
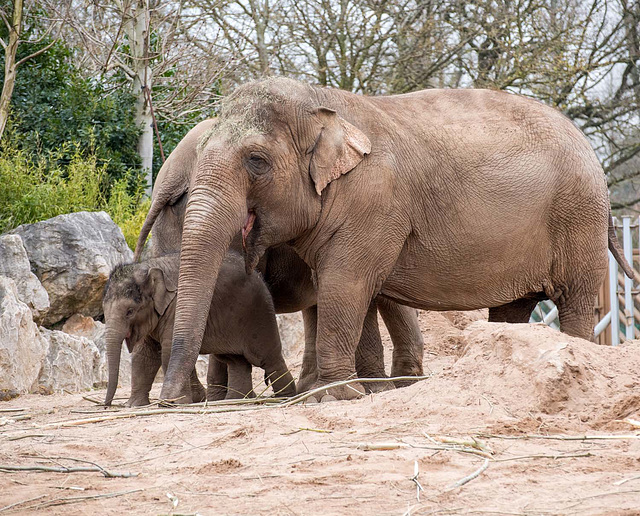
x,y
215,213
113,339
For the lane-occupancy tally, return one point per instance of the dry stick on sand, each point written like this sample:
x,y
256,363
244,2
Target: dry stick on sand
x,y
207,410
543,456
142,413
437,447
17,438
625,480
64,469
74,499
3,410
7,507
469,478
562,437
216,440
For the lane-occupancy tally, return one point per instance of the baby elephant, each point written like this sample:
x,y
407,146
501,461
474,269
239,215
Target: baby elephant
x,y
139,308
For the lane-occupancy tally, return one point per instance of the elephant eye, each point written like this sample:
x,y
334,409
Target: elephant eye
x,y
129,312
257,164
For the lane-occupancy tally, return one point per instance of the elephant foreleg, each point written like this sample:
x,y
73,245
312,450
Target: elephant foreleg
x,y
217,379
408,343
198,392
145,362
278,375
343,302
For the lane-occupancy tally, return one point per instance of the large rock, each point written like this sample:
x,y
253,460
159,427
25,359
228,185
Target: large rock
x,y
291,331
14,264
81,326
22,348
72,363
72,255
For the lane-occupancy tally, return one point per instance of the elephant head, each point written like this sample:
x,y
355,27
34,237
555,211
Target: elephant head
x,y
135,298
262,169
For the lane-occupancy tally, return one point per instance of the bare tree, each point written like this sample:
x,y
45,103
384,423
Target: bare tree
x,y
158,47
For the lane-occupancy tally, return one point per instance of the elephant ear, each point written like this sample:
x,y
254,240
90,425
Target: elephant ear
x,y
338,148
163,290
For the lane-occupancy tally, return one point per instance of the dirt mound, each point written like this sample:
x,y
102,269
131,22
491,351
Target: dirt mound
x,y
532,368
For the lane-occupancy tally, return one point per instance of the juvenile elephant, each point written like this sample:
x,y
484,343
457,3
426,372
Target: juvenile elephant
x,y
241,330
285,273
438,199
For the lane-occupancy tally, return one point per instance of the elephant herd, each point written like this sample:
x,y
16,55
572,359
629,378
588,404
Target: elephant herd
x,y
347,206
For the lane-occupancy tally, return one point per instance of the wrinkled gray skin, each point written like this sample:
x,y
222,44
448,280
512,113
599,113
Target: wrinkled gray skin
x,y
241,331
287,276
438,199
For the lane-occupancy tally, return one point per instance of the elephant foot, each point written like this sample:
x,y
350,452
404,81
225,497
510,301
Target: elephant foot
x,y
306,382
343,392
375,387
216,393
411,371
175,396
138,400
237,395
198,395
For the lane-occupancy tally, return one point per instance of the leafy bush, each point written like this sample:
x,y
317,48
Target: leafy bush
x,y
53,103
126,209
33,191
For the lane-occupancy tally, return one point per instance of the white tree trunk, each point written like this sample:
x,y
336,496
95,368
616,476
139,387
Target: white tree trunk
x,y
137,28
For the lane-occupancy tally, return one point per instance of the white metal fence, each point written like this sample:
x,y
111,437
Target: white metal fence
x,y
618,304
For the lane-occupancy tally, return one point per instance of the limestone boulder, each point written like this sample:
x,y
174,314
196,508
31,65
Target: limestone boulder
x,y
291,331
79,325
72,363
72,256
14,264
22,347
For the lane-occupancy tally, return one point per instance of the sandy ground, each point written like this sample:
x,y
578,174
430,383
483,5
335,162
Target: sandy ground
x,y
542,412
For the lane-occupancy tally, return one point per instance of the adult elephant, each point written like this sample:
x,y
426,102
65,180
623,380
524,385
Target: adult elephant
x,y
439,199
287,276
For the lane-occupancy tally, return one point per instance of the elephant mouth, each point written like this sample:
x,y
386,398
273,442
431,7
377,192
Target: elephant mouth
x,y
129,344
247,226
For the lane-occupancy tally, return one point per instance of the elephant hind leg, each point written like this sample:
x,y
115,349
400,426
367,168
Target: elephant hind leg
x,y
217,379
576,310
370,353
408,343
518,311
309,373
240,384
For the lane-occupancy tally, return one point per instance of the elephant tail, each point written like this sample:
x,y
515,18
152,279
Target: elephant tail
x,y
616,251
169,192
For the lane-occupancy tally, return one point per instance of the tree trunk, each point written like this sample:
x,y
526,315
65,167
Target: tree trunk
x,y
137,29
10,64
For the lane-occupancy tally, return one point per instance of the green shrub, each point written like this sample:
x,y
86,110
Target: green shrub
x,y
34,191
126,209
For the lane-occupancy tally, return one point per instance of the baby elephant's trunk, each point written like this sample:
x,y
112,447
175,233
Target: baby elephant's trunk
x,y
114,348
